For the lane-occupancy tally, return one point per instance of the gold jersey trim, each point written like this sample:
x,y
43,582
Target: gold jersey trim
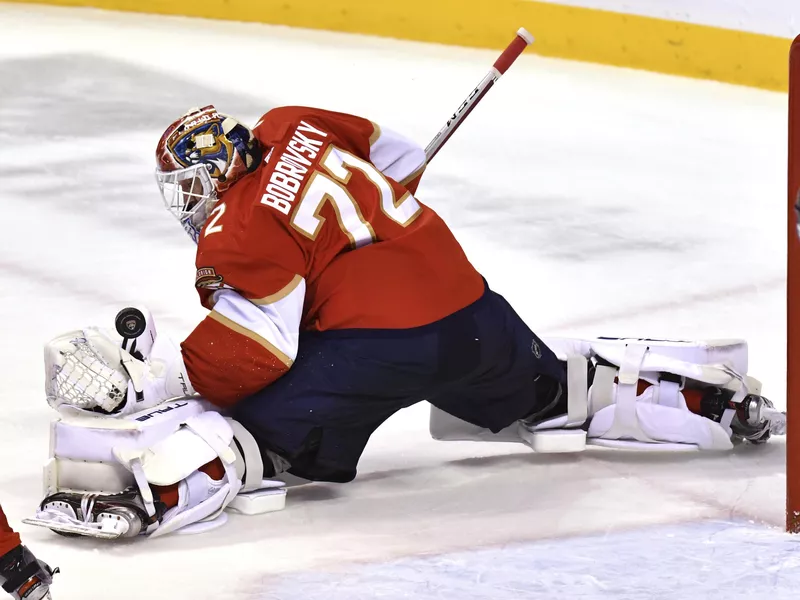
x,y
280,295
231,324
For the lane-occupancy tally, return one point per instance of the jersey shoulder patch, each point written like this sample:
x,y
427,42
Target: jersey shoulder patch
x,y
207,278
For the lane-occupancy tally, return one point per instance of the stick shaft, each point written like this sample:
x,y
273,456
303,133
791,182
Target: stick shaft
x,y
501,65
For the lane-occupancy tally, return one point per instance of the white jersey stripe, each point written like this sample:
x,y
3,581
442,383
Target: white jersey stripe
x,y
276,326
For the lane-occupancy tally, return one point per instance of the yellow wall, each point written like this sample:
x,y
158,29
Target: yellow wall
x,y
560,31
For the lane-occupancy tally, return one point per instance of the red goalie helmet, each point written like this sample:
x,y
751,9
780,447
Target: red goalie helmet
x,y
198,158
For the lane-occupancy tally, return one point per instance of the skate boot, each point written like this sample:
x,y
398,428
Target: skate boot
x,y
24,576
754,419
106,516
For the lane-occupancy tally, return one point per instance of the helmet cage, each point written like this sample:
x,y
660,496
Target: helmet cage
x,y
189,194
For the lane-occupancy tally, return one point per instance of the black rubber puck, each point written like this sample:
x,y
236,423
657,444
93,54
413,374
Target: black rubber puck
x,y
130,323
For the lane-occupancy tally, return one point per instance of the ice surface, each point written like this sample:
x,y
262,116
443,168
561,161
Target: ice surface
x,y
704,560
597,200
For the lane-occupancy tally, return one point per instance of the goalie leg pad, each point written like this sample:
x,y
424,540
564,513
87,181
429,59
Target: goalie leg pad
x,y
659,415
647,424
82,446
615,413
177,458
103,457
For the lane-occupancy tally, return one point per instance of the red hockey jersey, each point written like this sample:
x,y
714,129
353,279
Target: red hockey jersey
x,y
8,538
326,234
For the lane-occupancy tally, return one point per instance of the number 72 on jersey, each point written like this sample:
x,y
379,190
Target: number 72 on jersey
x,y
330,186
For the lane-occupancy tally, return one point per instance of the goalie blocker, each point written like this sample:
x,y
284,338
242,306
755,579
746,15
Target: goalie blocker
x,y
641,394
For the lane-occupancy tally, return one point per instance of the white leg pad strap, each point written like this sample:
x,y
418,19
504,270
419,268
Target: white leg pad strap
x,y
250,466
602,388
577,390
563,434
626,420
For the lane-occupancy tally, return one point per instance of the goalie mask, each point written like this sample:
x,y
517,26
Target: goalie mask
x,y
198,158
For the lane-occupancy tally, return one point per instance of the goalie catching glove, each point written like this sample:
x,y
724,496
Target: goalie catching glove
x,y
90,370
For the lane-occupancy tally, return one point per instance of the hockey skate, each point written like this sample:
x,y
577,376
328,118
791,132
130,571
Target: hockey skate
x,y
24,576
104,516
754,419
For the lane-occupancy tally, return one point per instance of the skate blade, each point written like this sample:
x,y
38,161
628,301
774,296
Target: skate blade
x,y
777,421
76,528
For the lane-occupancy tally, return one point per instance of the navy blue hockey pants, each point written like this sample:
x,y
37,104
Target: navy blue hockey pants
x,y
478,364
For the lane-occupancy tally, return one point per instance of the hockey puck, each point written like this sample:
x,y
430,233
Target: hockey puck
x,y
130,323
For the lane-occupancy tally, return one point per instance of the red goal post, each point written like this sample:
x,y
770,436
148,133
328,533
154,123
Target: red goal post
x,y
793,301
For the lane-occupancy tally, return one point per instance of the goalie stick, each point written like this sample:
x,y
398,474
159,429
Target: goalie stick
x,y
501,65
775,418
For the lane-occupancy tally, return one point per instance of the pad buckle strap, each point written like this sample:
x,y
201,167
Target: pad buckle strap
x,y
626,421
668,393
253,464
577,390
144,486
209,435
146,492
